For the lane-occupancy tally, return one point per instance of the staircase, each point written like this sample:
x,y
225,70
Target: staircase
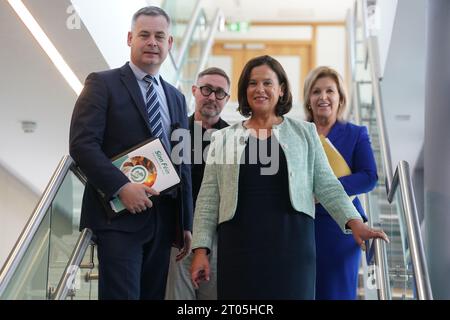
x,y
388,214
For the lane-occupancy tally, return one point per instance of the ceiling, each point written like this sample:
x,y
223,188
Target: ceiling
x,y
281,10
31,89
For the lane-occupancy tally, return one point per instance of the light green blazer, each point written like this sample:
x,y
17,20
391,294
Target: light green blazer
x,y
308,170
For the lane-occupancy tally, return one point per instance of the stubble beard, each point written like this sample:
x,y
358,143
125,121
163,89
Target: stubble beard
x,y
208,112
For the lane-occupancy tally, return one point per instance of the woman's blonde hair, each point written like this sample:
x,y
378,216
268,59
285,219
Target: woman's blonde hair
x,y
311,78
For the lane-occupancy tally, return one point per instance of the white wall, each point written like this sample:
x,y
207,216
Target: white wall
x,y
403,84
16,205
110,30
269,33
330,51
330,41
331,48
386,13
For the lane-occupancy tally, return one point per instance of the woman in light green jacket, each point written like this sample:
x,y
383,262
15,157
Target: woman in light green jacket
x,y
258,192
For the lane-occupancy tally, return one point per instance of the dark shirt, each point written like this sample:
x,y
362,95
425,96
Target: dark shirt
x,y
199,168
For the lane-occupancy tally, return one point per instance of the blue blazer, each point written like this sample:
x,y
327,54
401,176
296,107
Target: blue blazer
x,y
353,143
109,118
338,255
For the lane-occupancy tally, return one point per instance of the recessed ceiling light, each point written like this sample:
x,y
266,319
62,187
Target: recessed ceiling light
x,y
40,36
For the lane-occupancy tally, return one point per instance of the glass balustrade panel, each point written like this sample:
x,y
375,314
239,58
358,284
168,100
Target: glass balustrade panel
x,y
29,281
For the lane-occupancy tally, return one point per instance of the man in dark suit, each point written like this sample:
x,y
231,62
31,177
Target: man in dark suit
x,y
116,111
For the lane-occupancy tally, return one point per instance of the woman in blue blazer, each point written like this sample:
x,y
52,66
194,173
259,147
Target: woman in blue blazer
x,y
263,210
337,254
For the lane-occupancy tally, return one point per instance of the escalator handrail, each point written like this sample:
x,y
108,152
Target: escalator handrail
x,y
381,271
187,36
378,104
33,223
210,40
377,247
208,45
402,180
72,267
177,63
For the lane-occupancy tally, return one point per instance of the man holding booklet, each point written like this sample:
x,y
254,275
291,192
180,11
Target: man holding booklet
x,y
118,110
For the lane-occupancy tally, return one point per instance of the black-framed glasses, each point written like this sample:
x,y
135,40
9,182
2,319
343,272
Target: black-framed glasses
x,y
219,93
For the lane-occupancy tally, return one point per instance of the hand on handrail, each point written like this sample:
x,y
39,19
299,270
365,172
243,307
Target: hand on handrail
x,y
362,232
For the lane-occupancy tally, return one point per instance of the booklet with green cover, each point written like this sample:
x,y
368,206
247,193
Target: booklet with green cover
x,y
147,163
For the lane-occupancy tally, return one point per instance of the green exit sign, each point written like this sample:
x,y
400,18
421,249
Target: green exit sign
x,y
241,26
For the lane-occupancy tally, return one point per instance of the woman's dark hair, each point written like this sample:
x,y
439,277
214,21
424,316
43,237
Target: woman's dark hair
x,y
284,102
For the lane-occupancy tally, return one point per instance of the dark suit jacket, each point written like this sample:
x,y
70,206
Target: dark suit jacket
x,y
109,118
198,169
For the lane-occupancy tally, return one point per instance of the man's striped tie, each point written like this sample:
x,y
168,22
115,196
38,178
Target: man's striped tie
x,y
152,105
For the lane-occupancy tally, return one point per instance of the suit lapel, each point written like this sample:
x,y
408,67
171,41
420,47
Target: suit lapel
x,y
339,139
336,132
129,80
